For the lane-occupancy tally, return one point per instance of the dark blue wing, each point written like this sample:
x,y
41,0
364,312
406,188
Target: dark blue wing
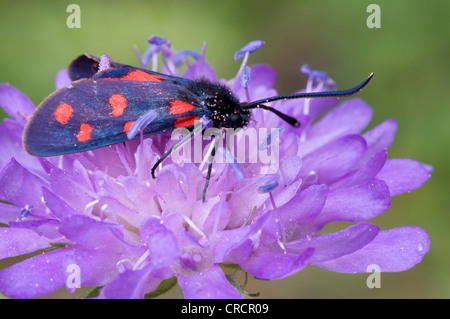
x,y
86,66
99,111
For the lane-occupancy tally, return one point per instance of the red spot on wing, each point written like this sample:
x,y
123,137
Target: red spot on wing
x,y
186,121
180,107
118,103
63,113
84,134
138,75
127,126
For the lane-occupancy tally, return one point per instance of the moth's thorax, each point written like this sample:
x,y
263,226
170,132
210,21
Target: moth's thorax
x,y
225,110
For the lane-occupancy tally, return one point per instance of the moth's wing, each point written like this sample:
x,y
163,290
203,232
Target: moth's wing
x,y
98,112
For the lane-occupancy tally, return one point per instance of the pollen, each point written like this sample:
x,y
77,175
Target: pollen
x,y
85,132
118,103
63,113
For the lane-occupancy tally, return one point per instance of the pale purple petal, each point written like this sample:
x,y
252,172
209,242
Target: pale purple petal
x,y
355,203
214,213
58,206
262,75
163,250
16,241
96,267
350,117
131,284
244,198
235,245
8,213
334,245
200,69
403,175
368,171
15,103
379,138
63,79
306,205
333,160
392,250
67,185
92,233
265,263
207,284
48,228
36,276
19,186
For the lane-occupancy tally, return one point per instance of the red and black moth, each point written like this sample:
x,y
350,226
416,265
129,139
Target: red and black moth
x,y
100,108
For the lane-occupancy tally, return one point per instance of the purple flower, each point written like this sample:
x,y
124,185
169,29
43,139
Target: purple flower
x,y
99,219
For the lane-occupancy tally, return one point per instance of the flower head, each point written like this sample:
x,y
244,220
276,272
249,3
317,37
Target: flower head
x,y
101,220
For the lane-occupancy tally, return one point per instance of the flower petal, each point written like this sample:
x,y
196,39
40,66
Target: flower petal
x,y
92,233
368,171
333,160
360,202
403,175
131,284
48,228
351,117
19,186
96,266
63,79
36,276
235,245
15,103
207,284
265,263
8,213
334,245
200,69
304,206
163,249
392,250
17,241
378,139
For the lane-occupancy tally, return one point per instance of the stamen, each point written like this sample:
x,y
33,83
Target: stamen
x,y
245,52
102,210
88,206
152,50
182,56
139,263
245,79
105,63
141,123
122,157
271,137
120,265
248,48
193,225
230,159
136,50
268,187
25,212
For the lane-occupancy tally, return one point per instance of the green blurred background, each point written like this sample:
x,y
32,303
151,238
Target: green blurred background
x,y
409,55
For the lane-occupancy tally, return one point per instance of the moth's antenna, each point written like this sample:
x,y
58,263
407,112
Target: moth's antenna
x,y
287,118
338,94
